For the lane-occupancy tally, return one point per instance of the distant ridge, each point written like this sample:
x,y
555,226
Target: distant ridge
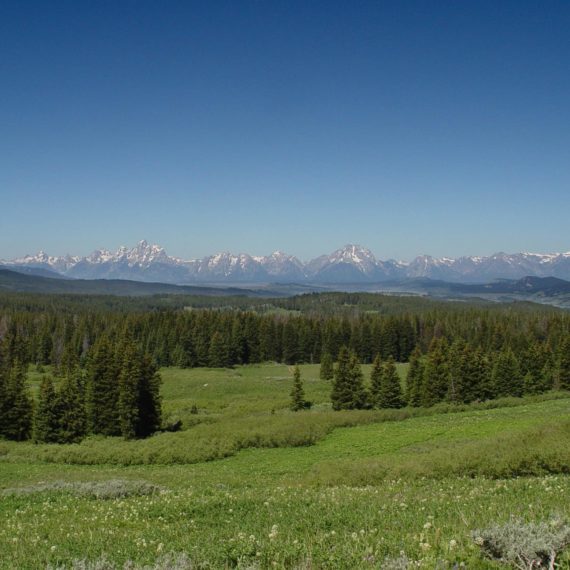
x,y
14,281
349,264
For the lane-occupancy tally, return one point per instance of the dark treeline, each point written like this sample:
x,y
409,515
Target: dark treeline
x,y
51,330
104,353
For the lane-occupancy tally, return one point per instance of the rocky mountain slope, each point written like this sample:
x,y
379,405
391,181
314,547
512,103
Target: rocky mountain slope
x,y
350,264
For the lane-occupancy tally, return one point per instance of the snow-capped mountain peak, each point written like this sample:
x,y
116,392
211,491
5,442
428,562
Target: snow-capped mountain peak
x,y
350,264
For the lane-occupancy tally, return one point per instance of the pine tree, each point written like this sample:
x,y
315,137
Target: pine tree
x,y
390,395
359,394
129,390
150,412
414,379
435,382
327,368
17,417
348,391
71,409
341,395
102,391
458,372
46,417
297,393
218,355
376,382
4,373
507,379
564,365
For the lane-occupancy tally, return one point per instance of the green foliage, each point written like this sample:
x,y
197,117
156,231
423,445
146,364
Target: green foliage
x,y
298,401
327,367
414,379
17,407
436,374
71,409
46,418
348,391
564,365
102,390
390,392
507,380
376,382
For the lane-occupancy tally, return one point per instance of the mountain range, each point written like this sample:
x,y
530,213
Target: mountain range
x,y
349,264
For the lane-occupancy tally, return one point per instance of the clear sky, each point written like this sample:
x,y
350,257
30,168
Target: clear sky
x,y
410,127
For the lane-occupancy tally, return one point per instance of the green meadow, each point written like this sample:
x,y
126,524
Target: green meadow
x,y
247,483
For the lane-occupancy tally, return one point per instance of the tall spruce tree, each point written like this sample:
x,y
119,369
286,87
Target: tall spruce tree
x,y
218,354
348,392
376,381
564,365
71,409
435,383
414,379
17,418
102,390
46,417
150,403
129,390
390,395
507,380
326,371
297,393
359,393
341,395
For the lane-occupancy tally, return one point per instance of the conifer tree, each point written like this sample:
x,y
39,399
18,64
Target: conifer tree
x,y
17,417
390,395
297,393
150,412
218,355
458,372
71,409
348,391
102,390
46,417
3,385
359,394
376,382
327,368
129,390
564,365
341,395
507,380
414,379
483,379
435,381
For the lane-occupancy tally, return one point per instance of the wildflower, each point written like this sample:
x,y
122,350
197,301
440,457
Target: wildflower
x,y
452,543
427,526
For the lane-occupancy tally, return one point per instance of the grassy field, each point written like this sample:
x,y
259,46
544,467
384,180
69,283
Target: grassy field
x,y
250,484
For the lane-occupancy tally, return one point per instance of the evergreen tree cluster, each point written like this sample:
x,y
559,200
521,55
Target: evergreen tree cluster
x,y
117,393
461,373
349,391
62,332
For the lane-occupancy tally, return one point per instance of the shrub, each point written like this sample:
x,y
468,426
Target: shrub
x,y
167,562
524,546
111,489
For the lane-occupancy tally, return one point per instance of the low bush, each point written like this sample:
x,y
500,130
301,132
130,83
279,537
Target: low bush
x,y
524,545
111,489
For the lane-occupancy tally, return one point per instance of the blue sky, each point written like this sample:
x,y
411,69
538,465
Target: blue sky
x,y
407,126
